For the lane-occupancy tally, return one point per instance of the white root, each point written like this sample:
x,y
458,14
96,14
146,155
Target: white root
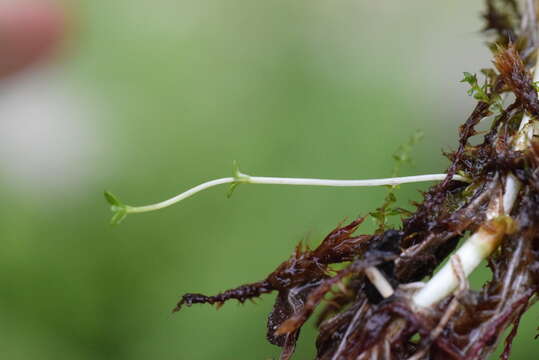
x,y
379,281
463,286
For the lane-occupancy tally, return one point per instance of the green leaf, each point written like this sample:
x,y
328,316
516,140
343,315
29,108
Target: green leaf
x,y
112,199
469,78
117,207
402,154
378,217
238,176
236,173
231,189
118,216
478,92
391,198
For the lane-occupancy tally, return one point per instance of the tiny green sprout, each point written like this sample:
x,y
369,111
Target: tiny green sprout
x,y
478,92
385,211
119,209
536,85
401,156
239,178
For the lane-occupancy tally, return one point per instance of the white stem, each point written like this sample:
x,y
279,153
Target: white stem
x,y
477,248
350,183
180,197
474,250
246,179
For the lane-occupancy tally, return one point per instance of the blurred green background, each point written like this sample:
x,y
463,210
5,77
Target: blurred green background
x,y
152,97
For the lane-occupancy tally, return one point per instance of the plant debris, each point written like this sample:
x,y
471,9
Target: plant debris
x,y
356,322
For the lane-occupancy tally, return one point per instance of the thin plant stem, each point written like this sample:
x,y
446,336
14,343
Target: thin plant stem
x,y
246,179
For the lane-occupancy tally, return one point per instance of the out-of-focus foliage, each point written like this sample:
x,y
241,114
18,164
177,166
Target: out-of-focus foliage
x,y
177,90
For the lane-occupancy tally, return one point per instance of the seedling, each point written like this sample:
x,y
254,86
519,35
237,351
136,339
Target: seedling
x,y
485,206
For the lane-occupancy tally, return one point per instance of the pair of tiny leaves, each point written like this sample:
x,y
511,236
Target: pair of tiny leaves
x,y
117,207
